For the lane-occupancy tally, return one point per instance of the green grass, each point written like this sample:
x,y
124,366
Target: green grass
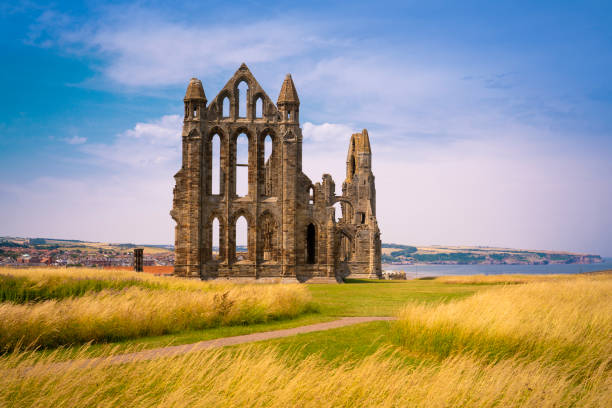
x,y
383,298
19,289
350,343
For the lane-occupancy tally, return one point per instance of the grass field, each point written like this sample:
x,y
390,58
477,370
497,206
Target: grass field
x,y
536,342
54,307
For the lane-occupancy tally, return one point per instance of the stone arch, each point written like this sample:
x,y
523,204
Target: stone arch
x,y
250,233
269,169
217,174
344,245
268,131
221,255
348,209
212,111
237,97
243,174
195,132
225,111
310,194
242,102
242,212
312,242
217,130
259,105
269,232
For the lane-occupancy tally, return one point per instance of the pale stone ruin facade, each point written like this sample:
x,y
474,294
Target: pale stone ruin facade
x,y
293,233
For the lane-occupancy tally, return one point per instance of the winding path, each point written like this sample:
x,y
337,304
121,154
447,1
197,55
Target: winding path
x,y
170,351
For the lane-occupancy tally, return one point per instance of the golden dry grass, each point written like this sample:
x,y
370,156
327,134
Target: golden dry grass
x,y
541,344
252,377
517,278
163,305
561,320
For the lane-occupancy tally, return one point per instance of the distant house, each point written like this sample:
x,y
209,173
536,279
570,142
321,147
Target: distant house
x,y
46,260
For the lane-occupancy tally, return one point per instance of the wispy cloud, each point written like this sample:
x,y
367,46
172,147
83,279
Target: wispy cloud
x,y
149,51
75,140
147,145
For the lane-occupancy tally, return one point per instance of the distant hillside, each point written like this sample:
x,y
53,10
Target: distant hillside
x,y
391,253
72,244
460,255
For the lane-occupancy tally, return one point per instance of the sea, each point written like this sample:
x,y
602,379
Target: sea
x,y
429,270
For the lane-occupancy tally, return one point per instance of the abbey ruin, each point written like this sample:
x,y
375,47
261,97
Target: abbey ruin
x,y
293,232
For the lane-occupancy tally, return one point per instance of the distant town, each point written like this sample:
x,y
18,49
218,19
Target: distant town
x,y
16,251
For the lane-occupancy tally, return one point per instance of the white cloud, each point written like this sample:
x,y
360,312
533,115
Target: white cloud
x,y
75,140
326,132
147,145
150,51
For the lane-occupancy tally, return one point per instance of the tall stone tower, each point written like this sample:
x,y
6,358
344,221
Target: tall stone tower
x,y
360,205
292,233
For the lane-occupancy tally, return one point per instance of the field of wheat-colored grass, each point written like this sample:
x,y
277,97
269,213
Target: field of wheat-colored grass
x,y
519,278
81,305
565,321
544,343
255,377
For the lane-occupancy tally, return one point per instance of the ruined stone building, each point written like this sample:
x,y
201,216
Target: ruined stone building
x,y
293,232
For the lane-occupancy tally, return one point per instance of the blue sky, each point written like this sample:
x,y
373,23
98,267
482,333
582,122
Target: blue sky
x,y
491,122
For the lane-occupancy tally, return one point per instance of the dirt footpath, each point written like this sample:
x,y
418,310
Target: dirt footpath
x,y
221,342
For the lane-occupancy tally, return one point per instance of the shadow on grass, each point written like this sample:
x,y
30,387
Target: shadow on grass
x,y
372,281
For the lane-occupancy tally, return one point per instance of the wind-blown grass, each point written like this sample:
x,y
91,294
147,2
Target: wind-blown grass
x,y
145,306
541,344
252,377
21,289
567,321
518,278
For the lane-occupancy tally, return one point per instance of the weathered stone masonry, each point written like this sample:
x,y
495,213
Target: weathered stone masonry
x,y
292,231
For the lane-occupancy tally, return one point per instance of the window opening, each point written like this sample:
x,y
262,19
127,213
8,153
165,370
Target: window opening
x,y
311,239
216,229
225,112
268,171
216,164
243,88
242,165
242,243
337,212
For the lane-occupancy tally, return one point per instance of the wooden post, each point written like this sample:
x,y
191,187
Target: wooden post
x,y
138,255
